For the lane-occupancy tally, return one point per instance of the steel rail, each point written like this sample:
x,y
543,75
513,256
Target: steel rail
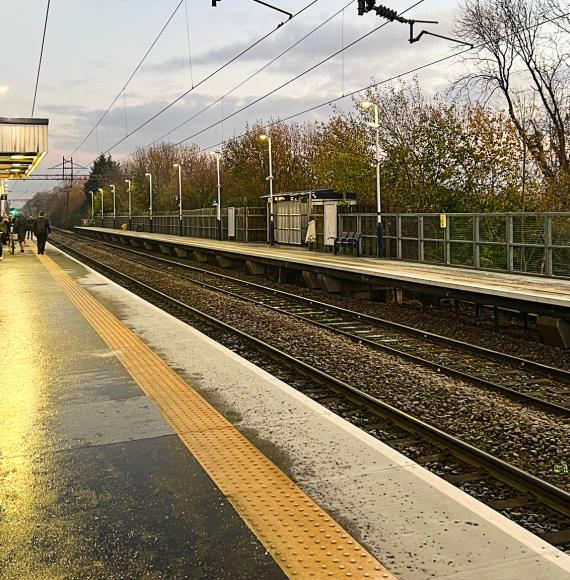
x,y
488,354
549,494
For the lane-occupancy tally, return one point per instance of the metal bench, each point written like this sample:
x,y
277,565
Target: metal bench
x,y
346,240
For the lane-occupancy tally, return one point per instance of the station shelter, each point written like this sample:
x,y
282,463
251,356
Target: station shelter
x,y
294,210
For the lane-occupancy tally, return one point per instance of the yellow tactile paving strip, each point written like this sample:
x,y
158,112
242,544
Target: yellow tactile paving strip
x,y
302,538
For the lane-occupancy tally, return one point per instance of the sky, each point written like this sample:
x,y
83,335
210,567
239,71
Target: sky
x,y
93,46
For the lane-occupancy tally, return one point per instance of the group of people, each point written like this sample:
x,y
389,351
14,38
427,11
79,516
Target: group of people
x,y
21,226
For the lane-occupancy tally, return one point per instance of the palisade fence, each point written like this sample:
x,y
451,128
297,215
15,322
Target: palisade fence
x,y
523,243
250,223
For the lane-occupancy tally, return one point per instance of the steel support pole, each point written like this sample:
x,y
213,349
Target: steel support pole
x,y
271,208
180,229
128,182
114,206
219,207
379,225
150,204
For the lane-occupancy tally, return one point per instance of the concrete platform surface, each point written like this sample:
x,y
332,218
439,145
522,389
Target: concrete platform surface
x,y
80,494
94,483
554,292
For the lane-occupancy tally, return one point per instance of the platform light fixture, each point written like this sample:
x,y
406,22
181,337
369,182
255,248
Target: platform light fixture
x,y
367,106
264,137
149,175
113,191
92,207
217,155
128,182
102,192
179,167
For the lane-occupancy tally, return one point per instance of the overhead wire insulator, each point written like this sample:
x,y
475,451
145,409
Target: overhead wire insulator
x,y
387,13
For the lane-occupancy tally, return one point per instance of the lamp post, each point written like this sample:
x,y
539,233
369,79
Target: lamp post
x,y
216,154
149,175
114,205
128,182
92,208
379,227
102,191
179,166
270,179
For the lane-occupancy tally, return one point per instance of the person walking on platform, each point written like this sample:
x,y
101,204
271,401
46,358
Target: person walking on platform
x,y
20,227
30,227
4,229
4,233
41,231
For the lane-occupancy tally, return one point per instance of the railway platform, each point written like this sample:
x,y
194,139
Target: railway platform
x,y
547,298
132,445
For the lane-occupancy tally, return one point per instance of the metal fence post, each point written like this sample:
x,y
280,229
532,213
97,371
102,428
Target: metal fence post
x,y
446,244
421,248
476,237
510,257
398,237
548,245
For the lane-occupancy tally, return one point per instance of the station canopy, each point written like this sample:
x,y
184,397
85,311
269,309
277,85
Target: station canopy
x,y
23,145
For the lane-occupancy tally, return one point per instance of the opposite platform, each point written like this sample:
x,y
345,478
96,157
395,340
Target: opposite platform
x,y
537,294
105,512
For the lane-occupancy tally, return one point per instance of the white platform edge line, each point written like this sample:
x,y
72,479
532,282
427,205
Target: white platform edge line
x,y
496,519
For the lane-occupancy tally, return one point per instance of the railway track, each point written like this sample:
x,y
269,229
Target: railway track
x,y
395,427
522,380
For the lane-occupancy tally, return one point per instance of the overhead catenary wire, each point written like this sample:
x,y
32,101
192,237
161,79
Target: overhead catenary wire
x,y
273,91
373,85
292,80
206,78
130,78
41,58
251,76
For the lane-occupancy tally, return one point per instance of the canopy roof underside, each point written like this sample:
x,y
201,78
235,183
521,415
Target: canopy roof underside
x,y
23,144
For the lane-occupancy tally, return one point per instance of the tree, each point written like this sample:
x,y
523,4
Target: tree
x,y
514,34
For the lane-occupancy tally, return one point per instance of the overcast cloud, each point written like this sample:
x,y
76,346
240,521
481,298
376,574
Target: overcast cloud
x,y
93,46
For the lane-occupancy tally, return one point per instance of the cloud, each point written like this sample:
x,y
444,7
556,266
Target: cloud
x,y
4,89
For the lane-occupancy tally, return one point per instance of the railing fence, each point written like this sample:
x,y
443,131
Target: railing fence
x,y
525,243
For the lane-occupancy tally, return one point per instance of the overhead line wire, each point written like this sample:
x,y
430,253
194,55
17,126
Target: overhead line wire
x,y
266,65
209,76
292,80
131,77
373,85
41,58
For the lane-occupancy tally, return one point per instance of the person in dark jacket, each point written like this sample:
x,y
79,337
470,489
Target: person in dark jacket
x,y
30,227
4,232
20,226
41,231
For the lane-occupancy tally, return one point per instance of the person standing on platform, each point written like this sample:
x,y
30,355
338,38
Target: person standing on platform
x,y
20,227
41,231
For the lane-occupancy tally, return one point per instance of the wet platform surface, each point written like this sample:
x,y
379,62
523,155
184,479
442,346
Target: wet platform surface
x,y
93,481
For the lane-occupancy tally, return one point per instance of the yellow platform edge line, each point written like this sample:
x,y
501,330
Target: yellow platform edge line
x,y
302,538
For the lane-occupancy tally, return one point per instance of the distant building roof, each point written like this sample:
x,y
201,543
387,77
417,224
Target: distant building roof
x,y
320,194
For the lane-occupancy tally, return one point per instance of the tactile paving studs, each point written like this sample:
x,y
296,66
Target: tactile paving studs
x,y
302,538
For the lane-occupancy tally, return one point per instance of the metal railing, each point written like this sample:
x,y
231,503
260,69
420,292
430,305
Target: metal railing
x,y
521,243
250,223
